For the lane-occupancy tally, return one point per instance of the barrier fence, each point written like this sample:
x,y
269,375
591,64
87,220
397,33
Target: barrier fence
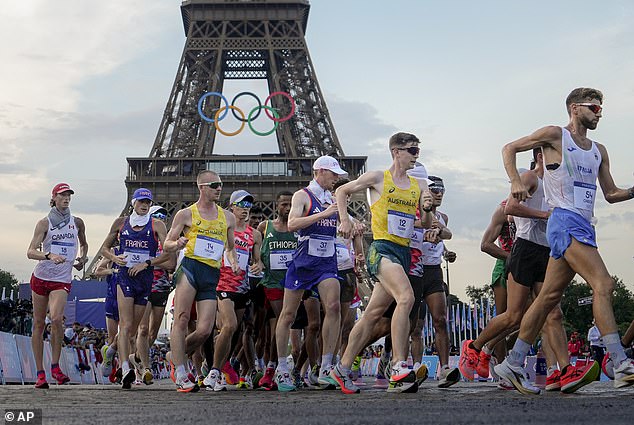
x,y
17,363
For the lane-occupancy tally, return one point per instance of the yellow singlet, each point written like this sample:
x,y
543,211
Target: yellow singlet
x,y
394,213
207,238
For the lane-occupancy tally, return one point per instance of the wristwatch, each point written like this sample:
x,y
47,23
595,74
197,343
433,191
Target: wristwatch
x,y
631,191
48,255
149,263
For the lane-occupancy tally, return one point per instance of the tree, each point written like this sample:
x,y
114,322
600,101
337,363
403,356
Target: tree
x,y
8,281
474,293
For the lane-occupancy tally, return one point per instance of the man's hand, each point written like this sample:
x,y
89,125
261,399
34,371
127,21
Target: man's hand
x,y
519,191
256,268
428,201
79,262
450,256
432,236
120,260
181,242
138,268
346,228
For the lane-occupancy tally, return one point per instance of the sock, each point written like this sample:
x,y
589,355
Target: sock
x,y
180,372
271,365
344,370
261,363
125,367
613,345
110,352
518,354
473,347
487,350
326,360
54,366
282,365
445,366
41,372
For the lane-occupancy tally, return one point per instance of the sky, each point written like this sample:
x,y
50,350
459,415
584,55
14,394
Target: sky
x,y
83,85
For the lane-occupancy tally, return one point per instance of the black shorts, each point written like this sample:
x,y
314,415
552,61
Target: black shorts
x,y
527,262
348,281
432,280
257,295
417,286
158,299
240,301
301,319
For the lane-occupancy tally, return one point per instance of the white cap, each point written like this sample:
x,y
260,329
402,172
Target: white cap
x,y
419,172
328,163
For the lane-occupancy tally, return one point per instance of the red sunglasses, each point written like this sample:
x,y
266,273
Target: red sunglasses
x,y
592,106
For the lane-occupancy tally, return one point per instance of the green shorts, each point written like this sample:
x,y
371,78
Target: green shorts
x,y
396,253
499,273
202,277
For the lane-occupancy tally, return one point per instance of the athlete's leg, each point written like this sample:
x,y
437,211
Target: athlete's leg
x,y
142,338
437,305
206,312
40,305
311,335
156,317
292,298
331,328
363,330
228,324
504,323
395,282
184,295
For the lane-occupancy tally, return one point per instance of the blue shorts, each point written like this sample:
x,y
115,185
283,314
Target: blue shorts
x,y
112,308
137,287
301,278
563,225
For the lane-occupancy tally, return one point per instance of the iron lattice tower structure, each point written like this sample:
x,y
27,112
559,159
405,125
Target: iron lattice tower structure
x,y
247,40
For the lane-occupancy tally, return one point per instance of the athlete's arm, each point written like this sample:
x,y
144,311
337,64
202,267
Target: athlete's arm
x,y
174,241
444,233
257,266
231,242
300,203
34,253
425,202
611,193
104,268
357,245
518,209
110,241
365,181
83,244
544,137
491,234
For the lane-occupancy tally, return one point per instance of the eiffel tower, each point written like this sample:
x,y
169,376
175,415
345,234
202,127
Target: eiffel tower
x,y
241,40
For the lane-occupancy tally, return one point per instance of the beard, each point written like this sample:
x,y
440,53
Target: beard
x,y
589,124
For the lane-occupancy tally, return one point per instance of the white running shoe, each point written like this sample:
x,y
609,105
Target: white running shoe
x,y
213,381
624,374
518,377
448,377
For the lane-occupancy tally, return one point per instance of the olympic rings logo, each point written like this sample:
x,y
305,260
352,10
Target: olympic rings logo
x,y
250,117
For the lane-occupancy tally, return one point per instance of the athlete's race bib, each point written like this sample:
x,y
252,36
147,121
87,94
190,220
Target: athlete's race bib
x,y
279,258
343,254
416,240
584,195
61,248
207,247
434,250
400,224
321,246
243,258
136,256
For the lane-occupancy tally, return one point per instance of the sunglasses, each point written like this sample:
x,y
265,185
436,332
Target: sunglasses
x,y
159,215
412,150
213,185
592,106
243,204
437,190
